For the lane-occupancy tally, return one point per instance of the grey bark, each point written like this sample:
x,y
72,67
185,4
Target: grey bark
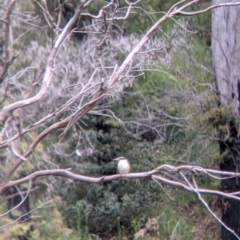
x,y
226,63
226,53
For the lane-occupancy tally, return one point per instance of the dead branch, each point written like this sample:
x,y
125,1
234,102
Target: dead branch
x,y
158,175
6,61
49,68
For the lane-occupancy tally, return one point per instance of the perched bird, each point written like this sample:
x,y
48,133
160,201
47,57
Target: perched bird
x,y
123,165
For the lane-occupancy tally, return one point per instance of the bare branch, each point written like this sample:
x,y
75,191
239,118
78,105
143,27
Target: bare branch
x,y
49,69
208,9
6,60
157,174
195,189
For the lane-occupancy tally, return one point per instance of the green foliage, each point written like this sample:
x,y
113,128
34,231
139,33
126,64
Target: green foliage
x,y
173,223
47,226
77,218
50,226
18,231
118,200
155,82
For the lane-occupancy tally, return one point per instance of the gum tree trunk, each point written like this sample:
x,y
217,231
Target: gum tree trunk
x,y
226,62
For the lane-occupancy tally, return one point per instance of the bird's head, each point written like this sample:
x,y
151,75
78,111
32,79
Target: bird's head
x,y
119,158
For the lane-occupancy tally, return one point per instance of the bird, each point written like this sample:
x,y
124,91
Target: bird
x,y
123,165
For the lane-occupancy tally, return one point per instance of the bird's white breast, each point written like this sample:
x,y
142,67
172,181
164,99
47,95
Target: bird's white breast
x,y
123,167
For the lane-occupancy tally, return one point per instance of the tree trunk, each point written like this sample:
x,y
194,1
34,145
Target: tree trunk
x,y
226,62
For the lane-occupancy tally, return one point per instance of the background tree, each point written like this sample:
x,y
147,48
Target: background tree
x,y
226,56
123,89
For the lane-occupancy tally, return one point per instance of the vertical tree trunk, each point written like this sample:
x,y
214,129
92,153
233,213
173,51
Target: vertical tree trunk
x,y
226,62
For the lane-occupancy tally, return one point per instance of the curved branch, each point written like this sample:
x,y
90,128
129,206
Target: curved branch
x,y
208,9
157,174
